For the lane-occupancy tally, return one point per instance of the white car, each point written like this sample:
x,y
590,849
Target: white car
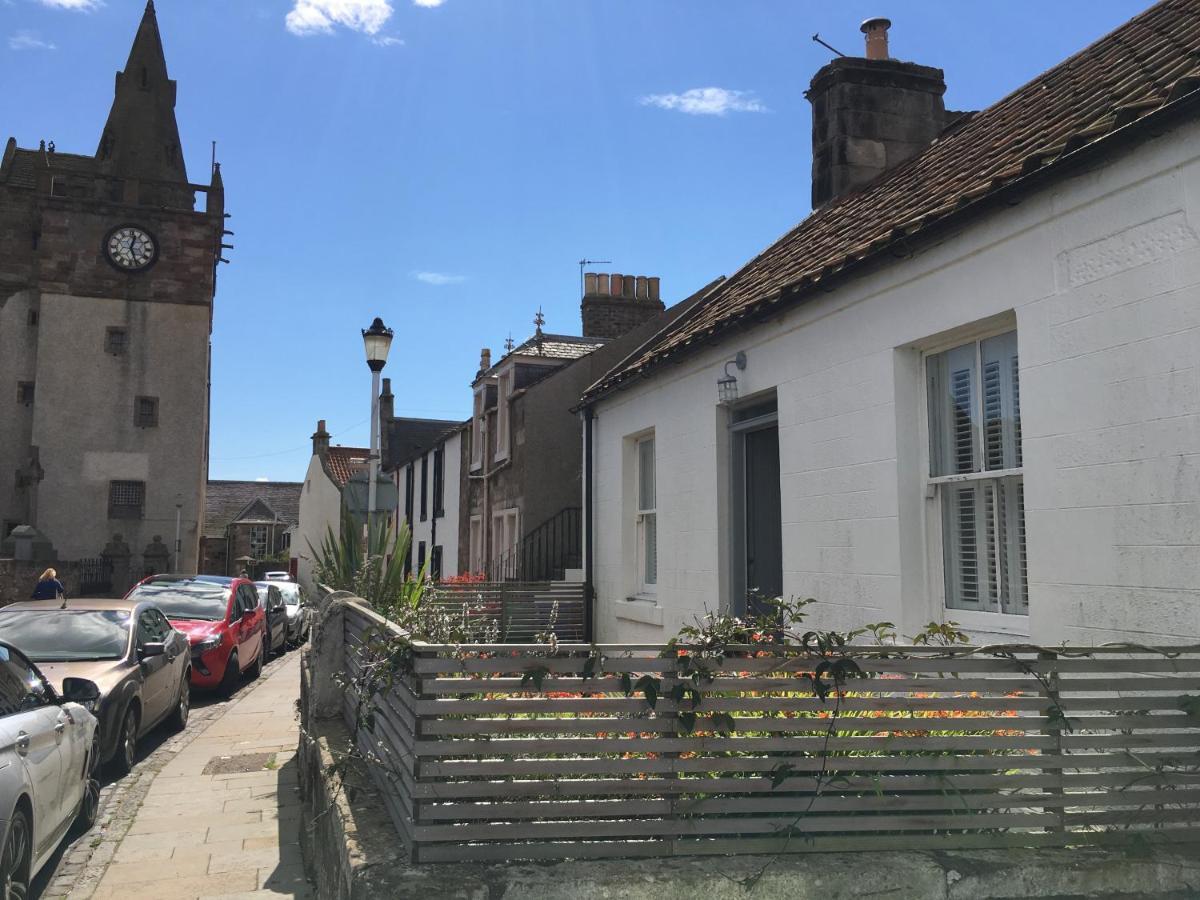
x,y
48,750
299,614
277,576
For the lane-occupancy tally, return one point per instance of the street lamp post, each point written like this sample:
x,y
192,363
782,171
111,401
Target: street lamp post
x,y
377,340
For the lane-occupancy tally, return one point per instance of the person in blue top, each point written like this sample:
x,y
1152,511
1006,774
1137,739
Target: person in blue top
x,y
48,587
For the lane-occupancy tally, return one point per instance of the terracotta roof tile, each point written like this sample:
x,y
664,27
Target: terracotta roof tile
x,y
342,462
1148,62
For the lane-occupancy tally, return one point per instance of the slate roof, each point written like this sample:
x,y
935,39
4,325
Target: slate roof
x,y
247,501
1142,68
408,438
566,347
342,462
22,170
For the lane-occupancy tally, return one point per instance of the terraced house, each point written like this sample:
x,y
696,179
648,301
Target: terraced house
x,y
965,388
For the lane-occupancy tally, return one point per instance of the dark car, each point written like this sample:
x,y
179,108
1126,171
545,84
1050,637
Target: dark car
x,y
271,600
299,612
128,648
222,620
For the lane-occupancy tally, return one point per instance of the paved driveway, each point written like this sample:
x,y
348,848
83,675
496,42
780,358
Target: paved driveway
x,y
213,812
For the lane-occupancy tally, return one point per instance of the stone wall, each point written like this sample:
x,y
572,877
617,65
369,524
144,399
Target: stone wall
x,y
17,578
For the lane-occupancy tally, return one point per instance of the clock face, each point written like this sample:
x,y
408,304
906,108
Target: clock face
x,y
130,248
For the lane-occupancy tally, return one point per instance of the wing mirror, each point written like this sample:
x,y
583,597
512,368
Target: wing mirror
x,y
153,648
80,690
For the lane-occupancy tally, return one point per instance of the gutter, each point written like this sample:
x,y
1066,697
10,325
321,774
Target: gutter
x,y
589,594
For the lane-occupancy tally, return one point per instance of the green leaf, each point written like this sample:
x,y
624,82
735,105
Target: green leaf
x,y
589,667
687,722
724,723
781,773
649,686
536,676
626,684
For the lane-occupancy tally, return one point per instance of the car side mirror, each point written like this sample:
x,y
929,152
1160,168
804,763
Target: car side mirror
x,y
80,690
152,648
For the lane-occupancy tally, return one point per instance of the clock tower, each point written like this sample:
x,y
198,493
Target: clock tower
x,y
107,278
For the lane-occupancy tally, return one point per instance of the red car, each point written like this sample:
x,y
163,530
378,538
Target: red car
x,y
222,620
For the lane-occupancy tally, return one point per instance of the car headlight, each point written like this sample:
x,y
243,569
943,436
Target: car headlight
x,y
209,643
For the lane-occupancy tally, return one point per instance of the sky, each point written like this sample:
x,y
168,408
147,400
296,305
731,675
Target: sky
x,y
445,164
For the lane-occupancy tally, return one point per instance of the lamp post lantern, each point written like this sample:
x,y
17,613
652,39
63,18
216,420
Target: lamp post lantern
x,y
377,340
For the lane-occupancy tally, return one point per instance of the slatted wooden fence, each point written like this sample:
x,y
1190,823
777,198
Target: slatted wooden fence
x,y
923,752
522,609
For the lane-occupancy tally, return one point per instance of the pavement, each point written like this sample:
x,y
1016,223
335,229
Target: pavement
x,y
213,813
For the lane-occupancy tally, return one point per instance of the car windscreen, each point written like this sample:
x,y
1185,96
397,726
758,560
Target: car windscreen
x,y
61,635
291,593
186,599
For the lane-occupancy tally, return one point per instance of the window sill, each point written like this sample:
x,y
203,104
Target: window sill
x,y
641,609
996,623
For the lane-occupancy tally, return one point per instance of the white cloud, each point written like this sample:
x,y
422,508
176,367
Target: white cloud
x,y
28,40
438,279
262,478
81,5
709,101
386,40
428,4
320,16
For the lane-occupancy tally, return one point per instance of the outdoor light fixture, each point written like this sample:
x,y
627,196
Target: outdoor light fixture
x,y
377,340
727,384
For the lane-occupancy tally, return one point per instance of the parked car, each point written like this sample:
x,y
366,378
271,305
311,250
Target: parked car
x,y
278,576
271,600
299,613
47,761
222,620
140,663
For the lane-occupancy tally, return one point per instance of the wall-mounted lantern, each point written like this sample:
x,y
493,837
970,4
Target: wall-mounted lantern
x,y
727,389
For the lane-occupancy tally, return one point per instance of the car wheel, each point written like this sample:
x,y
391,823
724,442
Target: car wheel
x,y
229,681
257,666
89,806
127,743
183,703
14,863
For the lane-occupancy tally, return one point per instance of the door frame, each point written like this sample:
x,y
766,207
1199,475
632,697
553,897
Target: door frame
x,y
737,491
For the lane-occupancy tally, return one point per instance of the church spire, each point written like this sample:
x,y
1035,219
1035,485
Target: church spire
x,y
141,137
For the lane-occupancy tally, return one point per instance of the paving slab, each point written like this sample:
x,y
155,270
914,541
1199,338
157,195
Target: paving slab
x,y
214,813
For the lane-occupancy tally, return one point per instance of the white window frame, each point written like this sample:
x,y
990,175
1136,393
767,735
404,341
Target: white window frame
x,y
475,562
645,517
506,534
477,415
503,428
260,530
971,620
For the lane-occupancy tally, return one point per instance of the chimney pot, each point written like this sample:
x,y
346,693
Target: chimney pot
x,y
627,287
387,385
485,359
589,283
320,424
876,30
602,285
653,286
618,284
640,291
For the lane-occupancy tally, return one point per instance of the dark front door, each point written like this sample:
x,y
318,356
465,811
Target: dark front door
x,y
764,528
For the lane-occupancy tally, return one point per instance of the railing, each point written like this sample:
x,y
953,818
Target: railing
x,y
95,576
522,610
546,552
504,753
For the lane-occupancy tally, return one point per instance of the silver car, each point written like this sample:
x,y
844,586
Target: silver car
x,y
48,751
299,614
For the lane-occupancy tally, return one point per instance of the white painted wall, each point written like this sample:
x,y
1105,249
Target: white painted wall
x,y
1101,274
446,525
320,510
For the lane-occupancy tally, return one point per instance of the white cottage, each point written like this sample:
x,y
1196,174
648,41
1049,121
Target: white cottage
x,y
966,388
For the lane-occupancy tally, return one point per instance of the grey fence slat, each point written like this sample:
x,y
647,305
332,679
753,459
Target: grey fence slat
x,y
484,766
889,784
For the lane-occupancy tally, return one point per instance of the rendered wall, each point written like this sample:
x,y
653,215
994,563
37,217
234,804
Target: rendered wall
x,y
1101,275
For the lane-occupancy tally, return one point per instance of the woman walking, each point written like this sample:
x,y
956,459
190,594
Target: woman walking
x,y
48,587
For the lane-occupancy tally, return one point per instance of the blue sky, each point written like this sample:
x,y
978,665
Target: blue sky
x,y
444,164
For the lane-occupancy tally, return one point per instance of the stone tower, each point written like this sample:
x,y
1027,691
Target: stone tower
x,y
107,278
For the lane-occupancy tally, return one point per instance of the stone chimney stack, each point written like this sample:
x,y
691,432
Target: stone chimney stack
x,y
387,402
615,304
869,114
320,440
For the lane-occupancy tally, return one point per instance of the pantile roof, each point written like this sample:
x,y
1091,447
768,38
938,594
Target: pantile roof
x,y
342,462
232,501
1141,68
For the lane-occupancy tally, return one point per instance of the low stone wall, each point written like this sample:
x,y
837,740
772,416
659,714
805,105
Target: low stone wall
x,y
18,577
352,852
